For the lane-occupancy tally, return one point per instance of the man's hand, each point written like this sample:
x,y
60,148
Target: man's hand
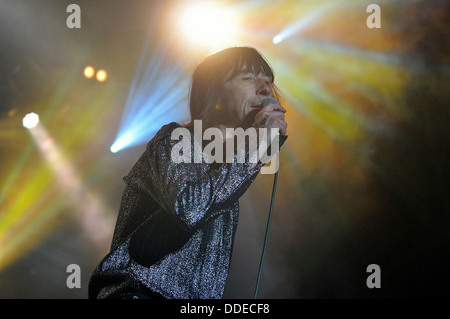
x,y
274,113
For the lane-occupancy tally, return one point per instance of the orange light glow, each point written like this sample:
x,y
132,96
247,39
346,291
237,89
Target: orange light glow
x,y
101,75
89,72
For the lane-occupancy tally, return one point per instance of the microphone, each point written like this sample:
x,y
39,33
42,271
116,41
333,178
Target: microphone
x,y
250,118
268,100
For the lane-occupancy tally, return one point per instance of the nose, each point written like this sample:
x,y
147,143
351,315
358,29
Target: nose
x,y
263,88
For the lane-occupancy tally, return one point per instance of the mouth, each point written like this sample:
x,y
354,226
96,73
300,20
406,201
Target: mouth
x,y
251,112
254,107
251,109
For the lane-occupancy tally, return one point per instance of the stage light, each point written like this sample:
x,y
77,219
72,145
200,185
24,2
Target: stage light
x,y
122,142
304,22
207,24
158,95
30,120
101,75
89,72
92,212
277,39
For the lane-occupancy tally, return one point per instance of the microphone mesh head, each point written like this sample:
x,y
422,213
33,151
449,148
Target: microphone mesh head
x,y
268,100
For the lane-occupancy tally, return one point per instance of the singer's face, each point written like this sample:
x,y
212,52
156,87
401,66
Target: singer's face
x,y
243,94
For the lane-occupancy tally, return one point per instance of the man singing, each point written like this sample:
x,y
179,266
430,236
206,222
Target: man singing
x,y
177,220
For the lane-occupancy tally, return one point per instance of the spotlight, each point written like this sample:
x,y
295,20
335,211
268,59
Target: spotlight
x,y
277,39
30,120
101,75
304,22
114,148
207,24
89,72
123,141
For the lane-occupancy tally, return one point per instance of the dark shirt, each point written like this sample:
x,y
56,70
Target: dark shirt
x,y
176,225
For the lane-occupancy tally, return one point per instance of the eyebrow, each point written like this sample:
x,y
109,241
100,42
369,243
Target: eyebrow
x,y
256,70
243,68
247,72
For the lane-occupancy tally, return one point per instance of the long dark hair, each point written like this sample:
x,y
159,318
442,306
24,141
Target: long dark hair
x,y
214,71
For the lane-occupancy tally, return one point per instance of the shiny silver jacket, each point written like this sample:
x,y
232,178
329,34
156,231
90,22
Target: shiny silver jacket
x,y
176,225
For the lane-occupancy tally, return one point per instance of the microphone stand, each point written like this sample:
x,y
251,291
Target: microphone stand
x,y
267,228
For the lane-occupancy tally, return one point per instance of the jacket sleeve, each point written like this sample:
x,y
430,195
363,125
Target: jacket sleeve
x,y
193,192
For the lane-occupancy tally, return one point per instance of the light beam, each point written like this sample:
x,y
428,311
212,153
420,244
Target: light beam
x,y
157,96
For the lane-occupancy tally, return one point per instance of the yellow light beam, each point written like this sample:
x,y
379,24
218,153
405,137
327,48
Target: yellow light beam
x,y
93,215
32,215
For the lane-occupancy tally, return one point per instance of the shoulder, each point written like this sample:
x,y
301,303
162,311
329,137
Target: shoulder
x,y
164,133
166,130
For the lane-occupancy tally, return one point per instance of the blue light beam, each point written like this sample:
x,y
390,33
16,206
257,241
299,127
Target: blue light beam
x,y
303,23
158,95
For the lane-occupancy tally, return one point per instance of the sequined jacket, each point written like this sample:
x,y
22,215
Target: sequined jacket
x,y
176,225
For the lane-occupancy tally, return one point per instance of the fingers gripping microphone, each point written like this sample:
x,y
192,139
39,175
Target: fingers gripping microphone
x,y
264,103
250,118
